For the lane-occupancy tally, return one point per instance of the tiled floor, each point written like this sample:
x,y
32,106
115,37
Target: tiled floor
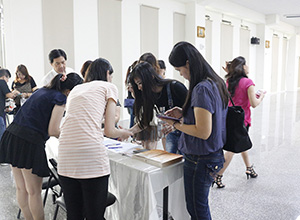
x,y
274,195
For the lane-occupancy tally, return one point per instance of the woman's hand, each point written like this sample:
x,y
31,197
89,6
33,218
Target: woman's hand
x,y
124,134
167,128
25,95
175,112
253,97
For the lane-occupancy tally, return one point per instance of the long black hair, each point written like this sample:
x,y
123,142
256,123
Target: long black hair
x,y
98,70
236,71
61,82
199,70
150,58
146,99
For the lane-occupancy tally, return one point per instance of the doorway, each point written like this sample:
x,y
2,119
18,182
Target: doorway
x,y
226,52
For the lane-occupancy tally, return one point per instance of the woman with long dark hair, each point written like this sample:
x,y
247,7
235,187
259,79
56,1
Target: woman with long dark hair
x,y
23,143
153,93
242,91
203,126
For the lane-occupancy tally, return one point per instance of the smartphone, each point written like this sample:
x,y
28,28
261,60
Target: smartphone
x,y
259,92
167,117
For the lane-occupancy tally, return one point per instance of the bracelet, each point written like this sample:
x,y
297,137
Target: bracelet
x,y
174,123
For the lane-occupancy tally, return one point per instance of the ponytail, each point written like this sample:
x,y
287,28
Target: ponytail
x,y
62,82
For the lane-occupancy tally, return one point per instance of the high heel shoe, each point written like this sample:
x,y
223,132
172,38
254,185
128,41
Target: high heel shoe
x,y
251,173
218,181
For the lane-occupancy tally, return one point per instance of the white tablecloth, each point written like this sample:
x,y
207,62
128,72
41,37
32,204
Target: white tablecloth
x,y
138,186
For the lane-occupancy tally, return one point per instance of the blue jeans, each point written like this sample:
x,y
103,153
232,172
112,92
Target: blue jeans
x,y
2,126
130,110
172,140
199,173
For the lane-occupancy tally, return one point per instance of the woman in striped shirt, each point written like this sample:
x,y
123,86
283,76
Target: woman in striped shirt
x,y
83,163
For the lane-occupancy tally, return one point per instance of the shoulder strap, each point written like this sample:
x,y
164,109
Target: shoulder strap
x,y
170,100
231,100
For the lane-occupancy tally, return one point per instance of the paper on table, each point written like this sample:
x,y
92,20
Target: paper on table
x,y
121,147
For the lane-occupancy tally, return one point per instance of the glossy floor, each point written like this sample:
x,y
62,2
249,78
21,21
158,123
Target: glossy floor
x,y
273,195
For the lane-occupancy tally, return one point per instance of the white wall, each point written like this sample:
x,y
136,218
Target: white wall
x,y
149,29
112,29
24,37
58,29
131,33
216,62
216,39
292,64
85,32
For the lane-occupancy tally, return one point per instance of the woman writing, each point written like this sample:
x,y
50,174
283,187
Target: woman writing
x,y
83,163
24,83
23,143
203,126
242,91
153,93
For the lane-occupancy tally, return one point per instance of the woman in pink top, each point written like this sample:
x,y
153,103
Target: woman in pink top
x,y
242,90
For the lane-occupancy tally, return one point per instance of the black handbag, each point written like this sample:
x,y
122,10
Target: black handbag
x,y
237,137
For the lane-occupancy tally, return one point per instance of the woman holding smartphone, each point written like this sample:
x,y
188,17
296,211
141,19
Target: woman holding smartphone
x,y
203,125
242,91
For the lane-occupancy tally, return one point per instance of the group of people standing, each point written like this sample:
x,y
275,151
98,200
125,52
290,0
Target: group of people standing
x,y
83,164
201,133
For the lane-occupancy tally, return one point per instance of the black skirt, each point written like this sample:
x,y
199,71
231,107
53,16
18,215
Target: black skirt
x,y
23,147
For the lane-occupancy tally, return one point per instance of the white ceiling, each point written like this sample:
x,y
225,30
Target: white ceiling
x,y
279,7
266,7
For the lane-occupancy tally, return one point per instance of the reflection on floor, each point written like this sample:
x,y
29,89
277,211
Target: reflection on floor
x,y
274,195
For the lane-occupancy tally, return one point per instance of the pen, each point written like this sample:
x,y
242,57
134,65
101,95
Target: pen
x,y
113,144
114,147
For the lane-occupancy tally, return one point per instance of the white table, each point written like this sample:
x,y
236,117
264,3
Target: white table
x,y
138,186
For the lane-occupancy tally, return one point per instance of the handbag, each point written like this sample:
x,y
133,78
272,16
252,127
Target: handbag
x,y
237,137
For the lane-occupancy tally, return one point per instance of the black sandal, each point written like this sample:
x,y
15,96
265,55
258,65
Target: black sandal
x,y
251,173
218,181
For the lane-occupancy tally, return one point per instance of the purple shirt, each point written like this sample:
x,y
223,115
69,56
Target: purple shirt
x,y
205,95
241,98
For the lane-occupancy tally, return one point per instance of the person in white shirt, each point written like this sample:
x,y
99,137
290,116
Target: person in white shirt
x,y
57,58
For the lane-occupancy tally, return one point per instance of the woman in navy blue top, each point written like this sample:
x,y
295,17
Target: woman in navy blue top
x,y
203,126
23,143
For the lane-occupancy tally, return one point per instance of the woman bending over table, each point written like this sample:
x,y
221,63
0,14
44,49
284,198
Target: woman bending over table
x,y
83,163
23,143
